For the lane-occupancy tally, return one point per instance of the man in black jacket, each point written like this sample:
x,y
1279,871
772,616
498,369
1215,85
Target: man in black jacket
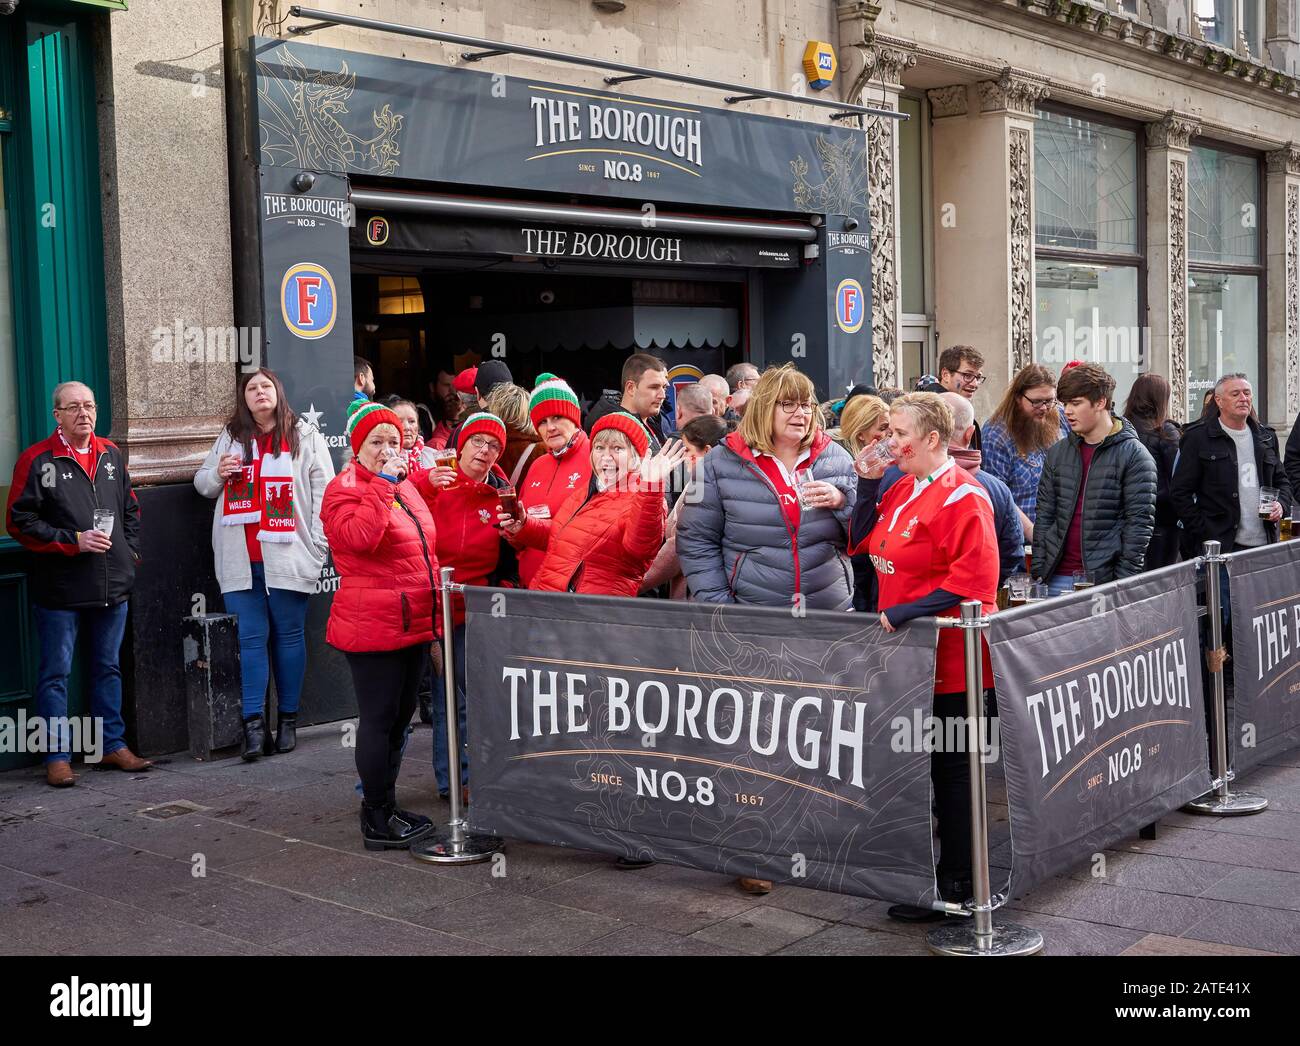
x,y
1097,492
1223,461
72,504
645,386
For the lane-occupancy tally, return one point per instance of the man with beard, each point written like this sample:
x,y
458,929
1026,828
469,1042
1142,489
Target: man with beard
x,y
1016,439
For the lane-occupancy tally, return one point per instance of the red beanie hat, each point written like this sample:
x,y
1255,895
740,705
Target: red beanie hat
x,y
483,423
363,416
464,381
628,424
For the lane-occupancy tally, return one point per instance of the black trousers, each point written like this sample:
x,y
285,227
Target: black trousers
x,y
950,776
387,683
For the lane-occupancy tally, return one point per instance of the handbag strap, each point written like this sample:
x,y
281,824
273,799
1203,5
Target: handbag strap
x,y
519,465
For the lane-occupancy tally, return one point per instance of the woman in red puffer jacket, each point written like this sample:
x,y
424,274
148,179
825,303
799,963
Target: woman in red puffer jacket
x,y
604,537
382,538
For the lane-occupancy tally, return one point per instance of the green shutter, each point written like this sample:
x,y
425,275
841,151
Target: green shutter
x,y
58,212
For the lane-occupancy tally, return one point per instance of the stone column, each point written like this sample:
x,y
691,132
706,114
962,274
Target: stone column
x,y
983,139
1282,348
165,201
874,67
1168,149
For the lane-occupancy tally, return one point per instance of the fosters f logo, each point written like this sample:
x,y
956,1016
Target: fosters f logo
x,y
308,301
850,306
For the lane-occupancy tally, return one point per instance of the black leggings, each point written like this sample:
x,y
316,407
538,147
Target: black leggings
x,y
387,683
950,774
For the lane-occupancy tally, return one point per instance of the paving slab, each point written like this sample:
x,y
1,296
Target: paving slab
x,y
761,931
519,924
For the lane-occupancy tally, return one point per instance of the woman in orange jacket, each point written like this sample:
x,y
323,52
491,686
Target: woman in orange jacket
x,y
605,536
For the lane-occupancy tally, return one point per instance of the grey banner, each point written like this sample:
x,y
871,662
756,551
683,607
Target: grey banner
x,y
1264,594
1102,716
740,740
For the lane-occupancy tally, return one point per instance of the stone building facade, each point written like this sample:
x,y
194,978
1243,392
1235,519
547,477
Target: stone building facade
x,y
1115,180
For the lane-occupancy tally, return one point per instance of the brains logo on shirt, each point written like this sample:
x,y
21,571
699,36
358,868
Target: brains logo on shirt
x,y
485,515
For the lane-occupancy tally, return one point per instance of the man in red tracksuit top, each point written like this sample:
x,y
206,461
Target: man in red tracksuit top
x,y
81,576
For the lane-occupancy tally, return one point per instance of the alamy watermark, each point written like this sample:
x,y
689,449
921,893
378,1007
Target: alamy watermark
x,y
186,343
37,735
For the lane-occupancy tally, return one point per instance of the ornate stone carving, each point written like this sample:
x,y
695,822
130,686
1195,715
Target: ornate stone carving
x,y
1011,92
1022,257
1174,131
1292,298
1285,160
947,101
885,64
884,255
1178,288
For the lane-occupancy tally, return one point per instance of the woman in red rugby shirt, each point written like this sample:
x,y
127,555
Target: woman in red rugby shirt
x,y
933,544
555,475
465,503
382,537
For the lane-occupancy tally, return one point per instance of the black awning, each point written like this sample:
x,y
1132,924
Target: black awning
x,y
410,233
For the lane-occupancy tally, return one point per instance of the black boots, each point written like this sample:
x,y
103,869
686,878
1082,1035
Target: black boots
x,y
254,738
286,733
388,828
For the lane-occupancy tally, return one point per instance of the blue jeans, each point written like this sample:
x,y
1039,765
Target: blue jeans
x,y
1060,585
277,615
441,766
57,630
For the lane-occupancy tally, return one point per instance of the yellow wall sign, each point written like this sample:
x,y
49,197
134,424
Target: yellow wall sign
x,y
819,64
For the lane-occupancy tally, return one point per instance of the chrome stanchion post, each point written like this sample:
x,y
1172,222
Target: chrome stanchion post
x,y
980,936
1221,802
453,843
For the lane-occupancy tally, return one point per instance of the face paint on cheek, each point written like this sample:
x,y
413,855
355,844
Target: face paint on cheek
x,y
906,452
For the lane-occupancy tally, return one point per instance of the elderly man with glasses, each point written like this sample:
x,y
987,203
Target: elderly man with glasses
x,y
72,504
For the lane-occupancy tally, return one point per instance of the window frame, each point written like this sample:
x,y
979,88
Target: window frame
x,y
1137,260
1258,270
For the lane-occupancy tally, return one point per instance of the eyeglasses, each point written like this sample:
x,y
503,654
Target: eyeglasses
x,y
1040,404
76,408
746,383
969,377
790,406
479,442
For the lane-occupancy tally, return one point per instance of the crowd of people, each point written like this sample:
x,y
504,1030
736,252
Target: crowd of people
x,y
747,491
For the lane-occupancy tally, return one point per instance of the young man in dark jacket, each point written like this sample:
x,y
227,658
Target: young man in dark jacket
x,y
1097,493
62,488
1223,461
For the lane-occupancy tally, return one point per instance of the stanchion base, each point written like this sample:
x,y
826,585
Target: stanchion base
x,y
1234,804
1007,939
439,848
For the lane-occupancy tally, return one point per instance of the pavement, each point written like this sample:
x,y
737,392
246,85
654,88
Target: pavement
x,y
264,858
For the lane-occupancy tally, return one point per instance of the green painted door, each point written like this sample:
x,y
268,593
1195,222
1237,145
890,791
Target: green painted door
x,y
52,313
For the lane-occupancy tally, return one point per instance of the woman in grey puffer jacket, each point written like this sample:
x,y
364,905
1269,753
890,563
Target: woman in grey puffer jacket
x,y
742,536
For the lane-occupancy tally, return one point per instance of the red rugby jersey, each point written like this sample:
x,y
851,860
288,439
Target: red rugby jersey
x,y
937,533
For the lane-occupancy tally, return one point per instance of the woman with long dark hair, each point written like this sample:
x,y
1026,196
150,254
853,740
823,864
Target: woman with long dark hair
x,y
1147,408
268,471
